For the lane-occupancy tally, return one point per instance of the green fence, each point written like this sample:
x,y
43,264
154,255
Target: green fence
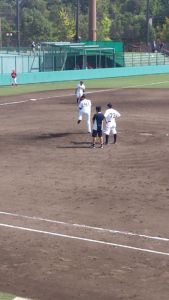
x,y
59,56
145,59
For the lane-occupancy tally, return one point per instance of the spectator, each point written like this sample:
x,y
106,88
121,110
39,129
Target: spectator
x,y
154,47
33,47
161,46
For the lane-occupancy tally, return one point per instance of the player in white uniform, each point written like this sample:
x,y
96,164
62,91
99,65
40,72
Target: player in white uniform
x,y
85,110
110,118
79,91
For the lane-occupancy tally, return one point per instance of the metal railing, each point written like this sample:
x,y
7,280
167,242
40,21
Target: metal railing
x,y
133,59
40,61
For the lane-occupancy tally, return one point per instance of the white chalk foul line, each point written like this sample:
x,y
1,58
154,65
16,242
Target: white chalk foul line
x,y
83,239
87,227
19,298
90,92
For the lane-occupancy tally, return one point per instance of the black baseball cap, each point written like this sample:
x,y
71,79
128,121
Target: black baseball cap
x,y
109,105
83,96
98,108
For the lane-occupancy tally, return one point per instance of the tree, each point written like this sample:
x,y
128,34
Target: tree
x,y
34,22
35,27
104,29
55,19
163,33
65,28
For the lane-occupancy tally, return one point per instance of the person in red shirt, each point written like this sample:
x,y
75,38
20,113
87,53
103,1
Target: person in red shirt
x,y
14,78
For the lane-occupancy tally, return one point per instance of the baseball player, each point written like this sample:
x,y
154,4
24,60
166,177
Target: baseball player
x,y
14,78
110,118
79,91
98,127
85,109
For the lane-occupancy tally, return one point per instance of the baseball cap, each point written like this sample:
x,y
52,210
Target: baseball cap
x,y
109,105
98,108
83,96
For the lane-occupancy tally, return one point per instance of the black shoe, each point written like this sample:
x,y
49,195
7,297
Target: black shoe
x,y
101,146
78,121
92,146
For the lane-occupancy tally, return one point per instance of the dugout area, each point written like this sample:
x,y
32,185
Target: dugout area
x,y
78,223
57,56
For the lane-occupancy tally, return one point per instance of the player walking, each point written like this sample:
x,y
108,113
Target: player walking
x,y
85,110
79,91
98,127
110,117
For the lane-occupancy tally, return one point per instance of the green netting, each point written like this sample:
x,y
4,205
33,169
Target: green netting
x,y
84,55
58,56
118,46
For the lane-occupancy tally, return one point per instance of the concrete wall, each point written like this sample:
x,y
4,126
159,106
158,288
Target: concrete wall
x,y
44,77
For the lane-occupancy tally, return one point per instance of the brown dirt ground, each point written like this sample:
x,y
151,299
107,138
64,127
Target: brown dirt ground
x,y
48,171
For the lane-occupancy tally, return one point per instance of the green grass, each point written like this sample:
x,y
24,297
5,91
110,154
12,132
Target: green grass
x,y
6,296
146,81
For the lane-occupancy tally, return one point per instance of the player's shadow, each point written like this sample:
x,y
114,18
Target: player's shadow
x,y
72,144
53,135
75,145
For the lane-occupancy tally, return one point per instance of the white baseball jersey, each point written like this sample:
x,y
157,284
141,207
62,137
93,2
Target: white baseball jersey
x,y
80,90
85,109
85,106
110,117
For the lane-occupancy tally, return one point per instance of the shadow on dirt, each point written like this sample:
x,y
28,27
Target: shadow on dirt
x,y
52,135
76,145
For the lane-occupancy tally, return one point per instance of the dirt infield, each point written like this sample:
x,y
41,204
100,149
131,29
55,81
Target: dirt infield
x,y
81,223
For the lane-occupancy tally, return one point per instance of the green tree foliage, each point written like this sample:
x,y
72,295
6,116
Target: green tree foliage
x,y
55,20
163,34
104,29
35,22
65,26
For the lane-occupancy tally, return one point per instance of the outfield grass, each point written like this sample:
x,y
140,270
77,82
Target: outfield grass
x,y
146,81
9,297
6,296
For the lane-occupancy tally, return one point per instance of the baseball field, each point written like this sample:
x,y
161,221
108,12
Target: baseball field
x,y
78,223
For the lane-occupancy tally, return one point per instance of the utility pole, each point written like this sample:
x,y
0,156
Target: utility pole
x,y
77,37
147,23
92,20
0,33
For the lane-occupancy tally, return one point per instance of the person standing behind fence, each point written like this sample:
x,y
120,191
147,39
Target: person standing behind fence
x,y
14,78
33,47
